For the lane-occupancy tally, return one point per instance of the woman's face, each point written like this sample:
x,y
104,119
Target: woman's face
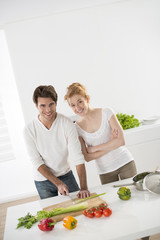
x,y
79,104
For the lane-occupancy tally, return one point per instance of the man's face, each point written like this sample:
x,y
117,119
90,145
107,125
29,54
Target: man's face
x,y
47,109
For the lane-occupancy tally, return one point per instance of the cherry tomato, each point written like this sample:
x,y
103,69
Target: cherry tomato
x,y
107,212
93,209
103,205
100,209
98,213
90,214
85,213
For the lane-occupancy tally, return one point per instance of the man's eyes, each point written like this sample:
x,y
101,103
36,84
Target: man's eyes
x,y
51,104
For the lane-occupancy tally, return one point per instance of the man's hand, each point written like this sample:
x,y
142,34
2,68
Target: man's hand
x,y
63,189
83,194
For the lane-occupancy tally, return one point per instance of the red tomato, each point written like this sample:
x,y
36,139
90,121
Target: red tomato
x,y
107,212
101,210
90,214
85,213
98,213
93,209
103,205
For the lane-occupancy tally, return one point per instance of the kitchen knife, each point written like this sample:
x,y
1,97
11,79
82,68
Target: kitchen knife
x,y
72,198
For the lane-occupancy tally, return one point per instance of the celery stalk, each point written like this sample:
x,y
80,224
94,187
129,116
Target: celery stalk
x,y
58,211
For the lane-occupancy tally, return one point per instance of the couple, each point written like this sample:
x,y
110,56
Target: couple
x,y
52,137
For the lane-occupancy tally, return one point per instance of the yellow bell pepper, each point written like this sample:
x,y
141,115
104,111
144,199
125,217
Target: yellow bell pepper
x,y
124,193
69,222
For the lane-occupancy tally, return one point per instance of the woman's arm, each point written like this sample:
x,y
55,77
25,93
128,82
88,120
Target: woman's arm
x,y
116,140
89,156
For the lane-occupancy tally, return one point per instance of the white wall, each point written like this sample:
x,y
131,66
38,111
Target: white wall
x,y
112,49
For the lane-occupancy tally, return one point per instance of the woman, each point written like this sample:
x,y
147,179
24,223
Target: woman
x,y
101,137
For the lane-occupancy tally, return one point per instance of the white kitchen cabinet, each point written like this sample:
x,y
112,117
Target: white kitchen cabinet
x,y
144,144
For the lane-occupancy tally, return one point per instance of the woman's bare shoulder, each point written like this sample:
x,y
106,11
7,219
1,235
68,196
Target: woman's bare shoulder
x,y
97,111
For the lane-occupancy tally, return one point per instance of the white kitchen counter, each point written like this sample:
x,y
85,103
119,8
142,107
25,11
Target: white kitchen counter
x,y
130,220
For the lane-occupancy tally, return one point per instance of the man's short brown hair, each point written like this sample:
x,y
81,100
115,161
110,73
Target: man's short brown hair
x,y
45,91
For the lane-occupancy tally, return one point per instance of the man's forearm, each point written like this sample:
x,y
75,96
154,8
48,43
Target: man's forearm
x,y
44,170
81,171
61,187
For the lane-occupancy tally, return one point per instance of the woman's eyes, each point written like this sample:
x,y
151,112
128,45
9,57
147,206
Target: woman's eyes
x,y
79,102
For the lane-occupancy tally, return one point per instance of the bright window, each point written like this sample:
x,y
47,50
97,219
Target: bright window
x,y
11,119
6,149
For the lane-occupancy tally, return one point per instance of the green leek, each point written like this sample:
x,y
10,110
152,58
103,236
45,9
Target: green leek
x,y
87,198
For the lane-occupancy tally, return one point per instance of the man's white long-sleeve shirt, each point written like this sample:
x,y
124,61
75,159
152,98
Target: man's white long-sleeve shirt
x,y
53,147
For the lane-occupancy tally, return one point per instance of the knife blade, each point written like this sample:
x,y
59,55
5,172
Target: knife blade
x,y
72,198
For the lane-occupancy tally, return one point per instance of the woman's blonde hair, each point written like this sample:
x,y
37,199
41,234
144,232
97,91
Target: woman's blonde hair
x,y
75,89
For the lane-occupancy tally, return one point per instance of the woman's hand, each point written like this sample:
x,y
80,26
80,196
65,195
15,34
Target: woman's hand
x,y
114,134
91,149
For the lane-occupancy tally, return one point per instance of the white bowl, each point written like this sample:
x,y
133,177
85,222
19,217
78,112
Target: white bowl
x,y
150,120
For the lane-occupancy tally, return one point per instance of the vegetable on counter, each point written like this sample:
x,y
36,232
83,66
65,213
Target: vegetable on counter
x,y
107,212
58,211
87,198
103,206
69,222
88,213
124,193
98,212
46,224
140,176
127,121
26,221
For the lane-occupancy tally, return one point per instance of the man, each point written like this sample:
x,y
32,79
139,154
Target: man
x,y
51,138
